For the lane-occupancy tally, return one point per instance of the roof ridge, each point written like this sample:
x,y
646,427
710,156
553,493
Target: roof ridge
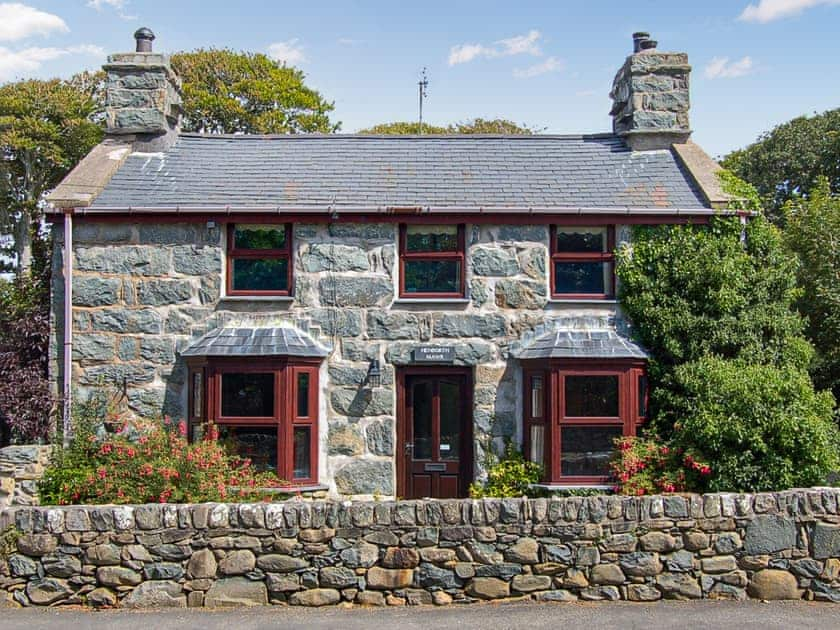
x,y
429,136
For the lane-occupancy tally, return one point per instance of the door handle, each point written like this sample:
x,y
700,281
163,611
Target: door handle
x,y
408,447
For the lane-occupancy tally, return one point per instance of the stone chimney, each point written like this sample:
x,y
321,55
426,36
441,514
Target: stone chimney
x,y
143,96
650,97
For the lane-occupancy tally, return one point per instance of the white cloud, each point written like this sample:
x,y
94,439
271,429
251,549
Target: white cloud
x,y
518,45
288,52
551,64
18,21
15,64
722,68
769,10
585,93
349,41
118,5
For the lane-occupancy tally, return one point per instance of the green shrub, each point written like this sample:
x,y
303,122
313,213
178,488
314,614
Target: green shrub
x,y
761,427
114,460
508,476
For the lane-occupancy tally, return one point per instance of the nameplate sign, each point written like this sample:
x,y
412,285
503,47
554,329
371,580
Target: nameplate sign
x,y
434,354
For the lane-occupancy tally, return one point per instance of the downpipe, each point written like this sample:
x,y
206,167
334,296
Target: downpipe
x,y
68,328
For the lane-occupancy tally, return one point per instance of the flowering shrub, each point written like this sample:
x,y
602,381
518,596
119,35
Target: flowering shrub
x,y
148,463
647,466
508,476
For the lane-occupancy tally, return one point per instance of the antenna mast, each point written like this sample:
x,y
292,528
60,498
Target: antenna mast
x,y
422,84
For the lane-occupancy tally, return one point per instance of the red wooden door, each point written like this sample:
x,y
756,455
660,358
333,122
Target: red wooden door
x,y
436,445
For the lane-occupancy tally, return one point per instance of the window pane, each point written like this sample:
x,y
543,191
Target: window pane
x,y
432,276
248,395
537,400
571,239
302,462
431,238
259,444
450,420
421,397
586,451
582,277
642,385
591,396
259,237
537,437
303,395
198,406
260,274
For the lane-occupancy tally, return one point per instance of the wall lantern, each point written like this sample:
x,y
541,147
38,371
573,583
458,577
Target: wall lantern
x,y
374,375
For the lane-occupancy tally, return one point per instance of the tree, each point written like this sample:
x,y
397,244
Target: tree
x,y
813,231
475,126
715,306
242,92
786,162
45,129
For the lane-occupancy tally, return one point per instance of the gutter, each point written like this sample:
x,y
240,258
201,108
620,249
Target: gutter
x,y
68,327
334,210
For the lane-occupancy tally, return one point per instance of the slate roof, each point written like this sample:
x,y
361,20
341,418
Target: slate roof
x,y
582,344
250,342
287,172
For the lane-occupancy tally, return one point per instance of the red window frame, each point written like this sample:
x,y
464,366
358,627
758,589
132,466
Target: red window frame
x,y
276,254
554,374
458,255
572,257
285,415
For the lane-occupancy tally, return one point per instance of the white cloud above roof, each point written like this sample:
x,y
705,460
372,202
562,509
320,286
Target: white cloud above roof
x,y
722,68
19,21
770,10
289,52
527,44
551,64
18,63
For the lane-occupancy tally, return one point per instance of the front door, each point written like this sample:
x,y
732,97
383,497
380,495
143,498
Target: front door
x,y
436,435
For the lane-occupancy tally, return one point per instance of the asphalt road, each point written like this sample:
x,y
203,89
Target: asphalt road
x,y
518,616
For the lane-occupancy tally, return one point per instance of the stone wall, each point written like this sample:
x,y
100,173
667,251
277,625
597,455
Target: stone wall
x,y
720,546
20,469
143,291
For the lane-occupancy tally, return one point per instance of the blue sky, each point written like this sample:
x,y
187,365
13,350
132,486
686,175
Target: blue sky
x,y
547,64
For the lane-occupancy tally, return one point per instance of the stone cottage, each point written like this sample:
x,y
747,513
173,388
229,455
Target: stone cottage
x,y
368,315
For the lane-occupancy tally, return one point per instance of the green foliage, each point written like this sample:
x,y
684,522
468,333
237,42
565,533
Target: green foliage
x,y
241,92
813,232
46,127
786,162
508,476
114,460
697,290
649,466
746,196
475,126
762,427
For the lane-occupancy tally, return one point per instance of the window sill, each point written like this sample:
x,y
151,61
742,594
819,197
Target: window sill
x,y
570,486
281,299
607,302
427,301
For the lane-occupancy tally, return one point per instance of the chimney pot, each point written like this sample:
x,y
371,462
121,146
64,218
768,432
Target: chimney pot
x,y
638,38
648,44
144,37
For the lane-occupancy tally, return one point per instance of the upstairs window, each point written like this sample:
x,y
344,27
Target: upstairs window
x,y
432,261
259,259
582,262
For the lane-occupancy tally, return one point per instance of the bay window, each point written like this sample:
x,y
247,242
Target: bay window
x,y
575,409
265,410
432,261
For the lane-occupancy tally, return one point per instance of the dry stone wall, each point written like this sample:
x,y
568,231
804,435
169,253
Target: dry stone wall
x,y
142,291
720,546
